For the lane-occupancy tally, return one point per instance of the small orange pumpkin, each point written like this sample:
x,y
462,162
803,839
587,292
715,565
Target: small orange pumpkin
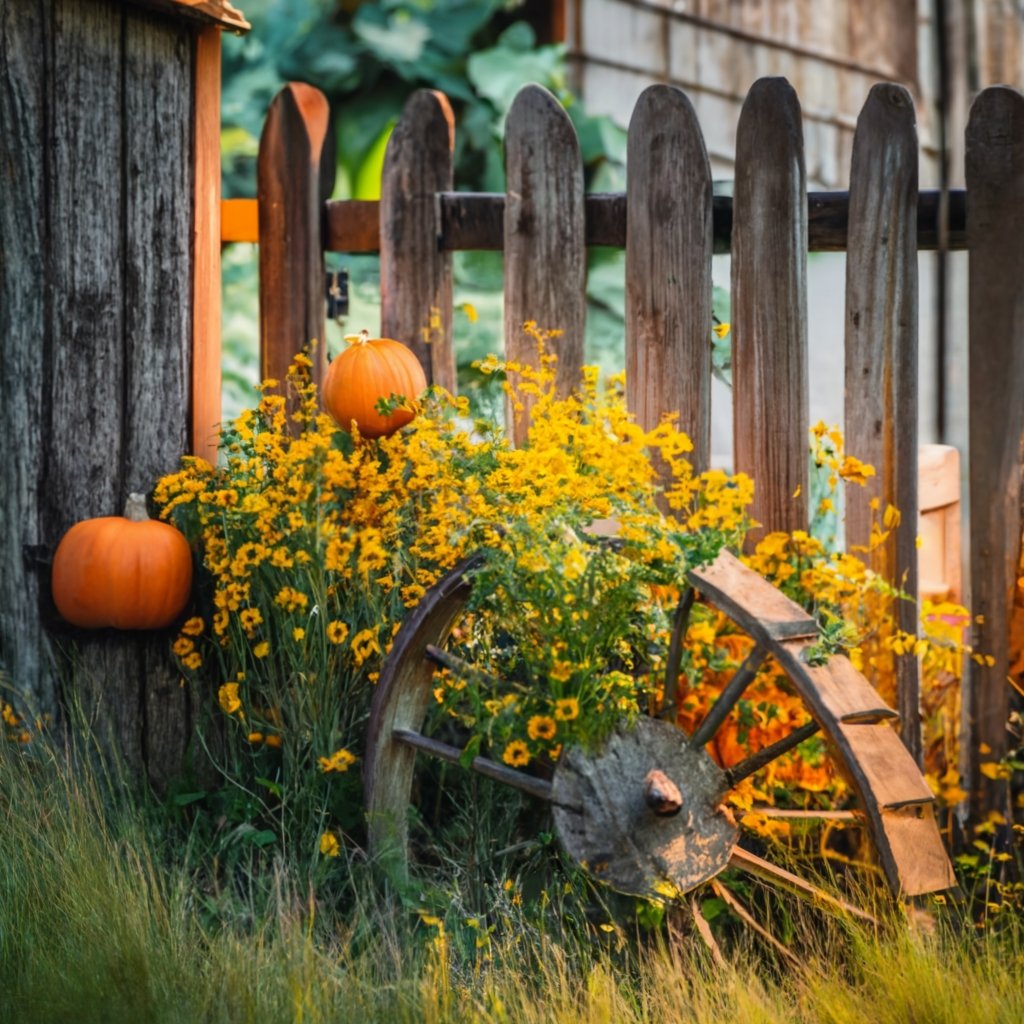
x,y
368,370
129,572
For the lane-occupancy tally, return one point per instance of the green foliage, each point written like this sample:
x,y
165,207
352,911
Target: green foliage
x,y
368,57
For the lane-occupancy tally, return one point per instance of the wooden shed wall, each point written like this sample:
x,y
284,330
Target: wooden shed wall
x,y
96,103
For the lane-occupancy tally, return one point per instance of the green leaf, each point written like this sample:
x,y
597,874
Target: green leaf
x,y
184,799
471,750
398,39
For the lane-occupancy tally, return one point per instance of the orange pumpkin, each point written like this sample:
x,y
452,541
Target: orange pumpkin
x,y
129,572
368,370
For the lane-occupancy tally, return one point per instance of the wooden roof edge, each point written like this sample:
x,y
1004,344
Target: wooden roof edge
x,y
217,12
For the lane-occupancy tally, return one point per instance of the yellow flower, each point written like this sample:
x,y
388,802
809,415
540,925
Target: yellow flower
x,y
298,633
516,754
273,740
182,646
541,727
192,661
566,709
193,626
227,697
329,845
262,649
364,644
339,761
337,632
721,329
255,737
291,600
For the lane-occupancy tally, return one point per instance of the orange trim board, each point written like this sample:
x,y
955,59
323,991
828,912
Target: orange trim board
x,y
239,220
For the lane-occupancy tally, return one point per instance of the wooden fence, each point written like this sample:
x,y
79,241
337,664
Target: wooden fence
x,y
670,224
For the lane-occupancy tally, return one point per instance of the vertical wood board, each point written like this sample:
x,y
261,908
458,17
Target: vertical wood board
x,y
294,175
545,253
206,242
669,238
881,358
995,229
769,306
415,275
25,74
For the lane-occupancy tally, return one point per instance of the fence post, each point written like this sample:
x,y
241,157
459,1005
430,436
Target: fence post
x,y
995,233
769,306
545,248
881,359
669,238
295,176
415,276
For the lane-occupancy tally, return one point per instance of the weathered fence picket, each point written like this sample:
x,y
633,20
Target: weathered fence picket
x,y
995,229
668,267
295,176
415,274
670,224
545,249
881,358
769,306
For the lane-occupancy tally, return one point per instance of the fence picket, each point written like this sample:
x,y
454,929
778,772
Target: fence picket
x,y
995,231
881,357
545,250
668,267
295,175
769,306
415,275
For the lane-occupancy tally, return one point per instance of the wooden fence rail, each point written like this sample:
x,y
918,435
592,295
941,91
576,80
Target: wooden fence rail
x,y
670,224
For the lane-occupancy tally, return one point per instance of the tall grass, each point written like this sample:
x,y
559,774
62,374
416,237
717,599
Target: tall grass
x,y
109,914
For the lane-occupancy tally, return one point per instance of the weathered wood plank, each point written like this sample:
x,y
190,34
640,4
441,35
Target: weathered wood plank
x,y
545,254
769,307
834,692
883,766
476,220
206,236
157,387
917,849
759,609
995,224
881,359
668,268
25,83
82,470
415,275
295,175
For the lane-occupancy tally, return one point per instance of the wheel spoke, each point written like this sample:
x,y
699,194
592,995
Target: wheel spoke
x,y
675,652
768,872
768,754
481,765
729,696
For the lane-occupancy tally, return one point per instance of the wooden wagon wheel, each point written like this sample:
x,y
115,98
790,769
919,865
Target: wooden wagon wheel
x,y
646,813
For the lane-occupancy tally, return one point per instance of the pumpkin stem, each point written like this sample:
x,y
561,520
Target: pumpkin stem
x,y
135,508
358,339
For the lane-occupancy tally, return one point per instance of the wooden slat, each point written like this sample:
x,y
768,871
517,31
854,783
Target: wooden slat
x,y
769,306
751,601
668,268
295,174
881,359
995,224
206,239
912,838
415,275
884,770
834,692
476,220
545,254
